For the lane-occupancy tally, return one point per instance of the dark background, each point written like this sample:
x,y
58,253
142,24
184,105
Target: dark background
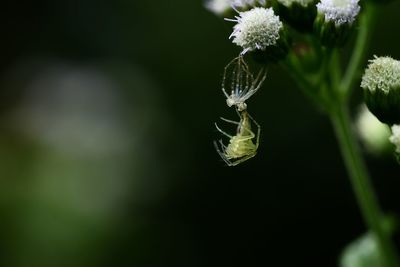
x,y
106,154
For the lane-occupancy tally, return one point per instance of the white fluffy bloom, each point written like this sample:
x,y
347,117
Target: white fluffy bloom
x,y
218,7
248,3
339,11
395,138
383,73
288,3
372,132
256,29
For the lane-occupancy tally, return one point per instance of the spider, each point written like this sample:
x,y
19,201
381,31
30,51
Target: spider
x,y
241,146
241,81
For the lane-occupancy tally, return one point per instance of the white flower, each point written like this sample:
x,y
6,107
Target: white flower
x,y
256,29
383,73
339,11
288,3
362,252
218,7
372,132
395,138
248,3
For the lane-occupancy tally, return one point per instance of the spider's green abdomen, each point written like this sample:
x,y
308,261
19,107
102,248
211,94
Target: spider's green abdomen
x,y
239,147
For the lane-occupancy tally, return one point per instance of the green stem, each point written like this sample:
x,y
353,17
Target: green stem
x,y
360,48
361,183
304,84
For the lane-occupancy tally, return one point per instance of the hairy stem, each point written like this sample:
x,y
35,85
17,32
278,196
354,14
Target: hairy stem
x,y
361,183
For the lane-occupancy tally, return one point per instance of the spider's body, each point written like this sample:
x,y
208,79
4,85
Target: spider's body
x,y
240,80
243,145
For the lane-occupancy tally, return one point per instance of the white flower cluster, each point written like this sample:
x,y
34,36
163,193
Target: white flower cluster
x,y
220,7
395,138
383,73
256,29
339,11
288,3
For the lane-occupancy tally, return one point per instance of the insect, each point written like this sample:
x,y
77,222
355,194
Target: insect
x,y
238,78
243,145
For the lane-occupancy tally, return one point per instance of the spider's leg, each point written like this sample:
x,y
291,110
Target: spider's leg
x,y
223,132
225,93
247,77
258,130
221,154
239,114
230,121
222,145
252,119
257,83
244,128
244,76
227,70
223,85
237,162
238,79
242,137
248,85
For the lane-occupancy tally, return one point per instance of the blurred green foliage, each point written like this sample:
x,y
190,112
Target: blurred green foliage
x,y
106,156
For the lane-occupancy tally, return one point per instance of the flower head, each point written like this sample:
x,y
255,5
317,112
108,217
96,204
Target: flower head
x,y
218,7
395,138
256,29
381,84
383,73
248,3
221,7
339,11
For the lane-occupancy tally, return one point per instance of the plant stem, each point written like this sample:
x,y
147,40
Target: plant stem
x,y
364,34
361,183
304,84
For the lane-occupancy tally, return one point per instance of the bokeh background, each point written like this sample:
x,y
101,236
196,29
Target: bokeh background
x,y
106,154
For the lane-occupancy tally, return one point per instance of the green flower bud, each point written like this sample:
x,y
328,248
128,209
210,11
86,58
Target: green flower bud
x,y
335,20
300,14
381,84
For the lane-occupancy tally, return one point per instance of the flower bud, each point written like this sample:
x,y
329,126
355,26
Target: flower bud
x,y
260,29
226,7
219,7
335,19
300,14
245,5
381,84
373,133
395,140
395,137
